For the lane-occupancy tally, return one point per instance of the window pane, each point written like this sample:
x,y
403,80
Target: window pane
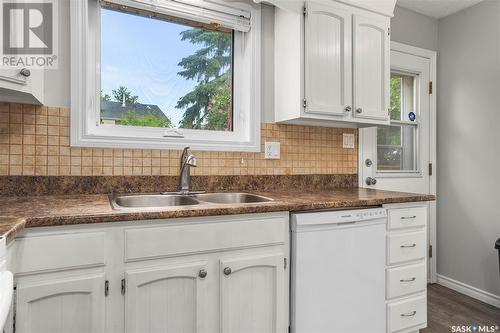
x,y
402,96
160,73
397,144
396,148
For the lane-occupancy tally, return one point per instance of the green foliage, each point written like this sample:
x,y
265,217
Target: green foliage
x,y
105,97
208,105
391,136
395,100
121,92
149,120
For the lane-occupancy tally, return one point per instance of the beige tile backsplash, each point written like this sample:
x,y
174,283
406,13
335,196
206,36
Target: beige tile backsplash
x,y
34,140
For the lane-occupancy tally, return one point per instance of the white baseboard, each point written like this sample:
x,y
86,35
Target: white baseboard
x,y
471,291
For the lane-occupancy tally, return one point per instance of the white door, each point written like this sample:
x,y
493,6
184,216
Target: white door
x,y
371,50
170,298
399,157
252,294
69,305
328,71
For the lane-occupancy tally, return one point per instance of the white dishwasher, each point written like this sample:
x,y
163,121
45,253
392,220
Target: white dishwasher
x,y
338,271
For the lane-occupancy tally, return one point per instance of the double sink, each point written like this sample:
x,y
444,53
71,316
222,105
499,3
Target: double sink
x,y
158,201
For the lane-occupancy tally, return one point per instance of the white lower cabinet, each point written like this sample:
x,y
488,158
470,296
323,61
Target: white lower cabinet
x,y
232,277
406,270
167,299
73,304
252,294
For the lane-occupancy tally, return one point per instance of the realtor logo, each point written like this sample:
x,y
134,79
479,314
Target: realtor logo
x,y
29,33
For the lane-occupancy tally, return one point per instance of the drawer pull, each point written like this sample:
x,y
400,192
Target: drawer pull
x,y
409,314
408,246
408,280
408,217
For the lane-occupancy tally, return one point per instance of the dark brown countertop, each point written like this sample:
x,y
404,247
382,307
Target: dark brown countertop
x,y
17,213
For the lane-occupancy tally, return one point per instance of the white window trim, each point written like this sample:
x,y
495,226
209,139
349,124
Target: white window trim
x,y
85,94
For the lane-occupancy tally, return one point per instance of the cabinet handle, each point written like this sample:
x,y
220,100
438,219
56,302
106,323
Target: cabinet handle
x,y
347,109
409,314
25,72
408,280
408,217
359,110
408,246
202,273
227,270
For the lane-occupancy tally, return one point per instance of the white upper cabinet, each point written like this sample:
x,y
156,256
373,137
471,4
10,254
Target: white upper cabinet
x,y
331,65
327,60
371,49
21,85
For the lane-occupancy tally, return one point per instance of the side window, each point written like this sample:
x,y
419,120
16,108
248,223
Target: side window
x,y
397,144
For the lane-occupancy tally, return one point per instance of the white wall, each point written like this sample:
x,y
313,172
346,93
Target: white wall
x,y
56,85
409,27
468,182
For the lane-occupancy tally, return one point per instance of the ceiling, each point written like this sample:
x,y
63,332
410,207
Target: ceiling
x,y
437,8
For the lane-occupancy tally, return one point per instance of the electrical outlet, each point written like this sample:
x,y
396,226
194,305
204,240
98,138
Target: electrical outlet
x,y
272,150
347,140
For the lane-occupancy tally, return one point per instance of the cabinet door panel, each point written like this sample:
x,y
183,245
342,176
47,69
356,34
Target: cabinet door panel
x,y
252,295
72,305
166,299
371,68
327,60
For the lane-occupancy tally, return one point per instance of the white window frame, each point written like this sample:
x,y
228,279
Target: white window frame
x,y
400,123
86,130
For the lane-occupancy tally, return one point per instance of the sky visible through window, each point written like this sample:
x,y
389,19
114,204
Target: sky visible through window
x,y
143,55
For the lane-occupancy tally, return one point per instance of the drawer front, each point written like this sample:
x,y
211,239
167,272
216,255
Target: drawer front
x,y
212,235
406,280
406,246
400,218
58,252
406,314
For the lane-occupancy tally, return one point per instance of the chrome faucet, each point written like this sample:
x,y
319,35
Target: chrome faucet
x,y
187,161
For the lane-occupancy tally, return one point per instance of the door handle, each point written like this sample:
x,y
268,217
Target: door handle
x,y
370,181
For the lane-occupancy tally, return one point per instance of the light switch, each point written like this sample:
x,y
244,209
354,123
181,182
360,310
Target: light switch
x,y
272,150
347,140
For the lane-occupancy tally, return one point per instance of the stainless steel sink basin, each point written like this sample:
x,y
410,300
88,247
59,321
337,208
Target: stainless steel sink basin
x,y
158,201
152,201
231,198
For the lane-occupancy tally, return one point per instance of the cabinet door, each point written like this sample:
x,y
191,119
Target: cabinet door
x,y
18,88
75,305
371,68
328,71
166,299
252,294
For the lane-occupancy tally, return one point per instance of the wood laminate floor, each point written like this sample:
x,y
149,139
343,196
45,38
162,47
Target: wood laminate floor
x,y
447,308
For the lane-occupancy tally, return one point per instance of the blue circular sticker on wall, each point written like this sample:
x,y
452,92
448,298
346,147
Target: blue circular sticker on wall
x,y
412,116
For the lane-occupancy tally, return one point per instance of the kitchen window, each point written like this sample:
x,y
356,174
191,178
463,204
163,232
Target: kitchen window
x,y
397,144
166,74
